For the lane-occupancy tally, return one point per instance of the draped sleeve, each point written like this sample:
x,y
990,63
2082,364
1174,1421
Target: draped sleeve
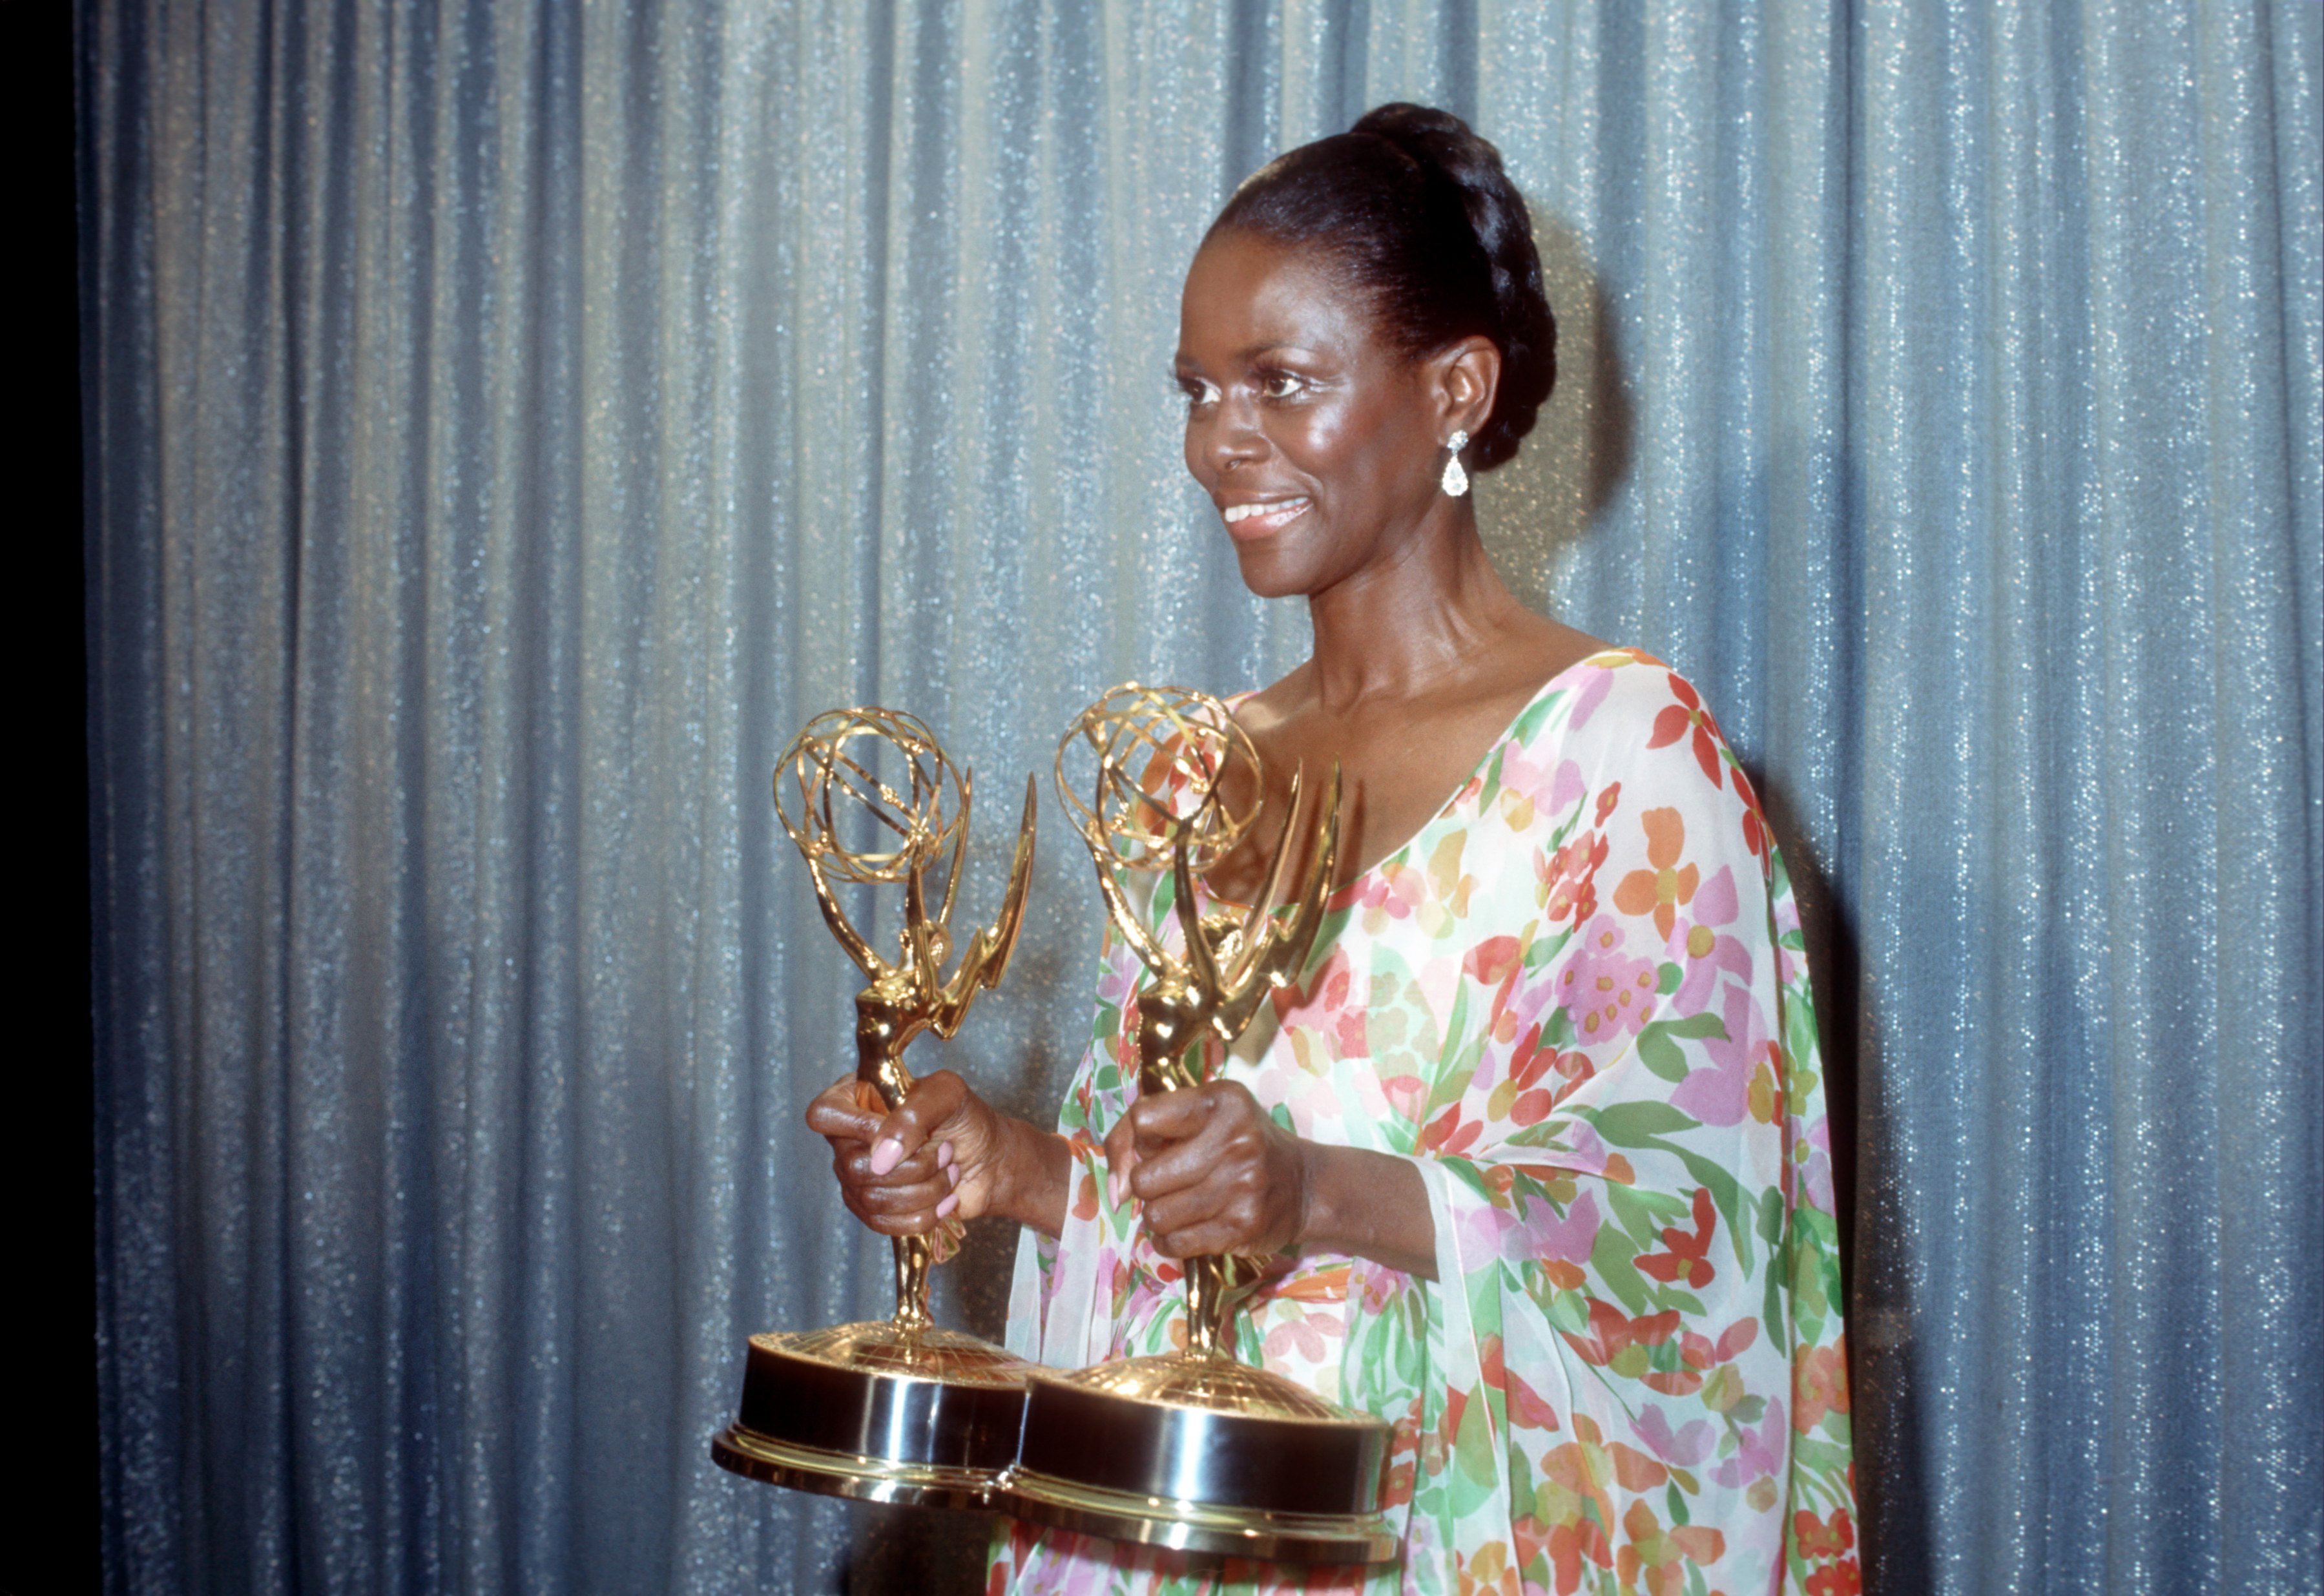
x,y
1636,1336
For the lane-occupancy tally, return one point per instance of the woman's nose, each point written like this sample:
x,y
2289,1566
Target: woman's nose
x,y
1234,437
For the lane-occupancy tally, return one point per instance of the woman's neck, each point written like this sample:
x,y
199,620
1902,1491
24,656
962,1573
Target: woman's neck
x,y
1405,624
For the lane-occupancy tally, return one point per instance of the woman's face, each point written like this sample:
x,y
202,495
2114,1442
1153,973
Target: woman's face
x,y
1320,442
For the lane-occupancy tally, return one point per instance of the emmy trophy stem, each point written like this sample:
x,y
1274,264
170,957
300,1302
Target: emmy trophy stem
x,y
879,1067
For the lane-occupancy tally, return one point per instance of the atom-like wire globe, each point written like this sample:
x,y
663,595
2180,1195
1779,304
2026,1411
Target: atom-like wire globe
x,y
1162,756
881,762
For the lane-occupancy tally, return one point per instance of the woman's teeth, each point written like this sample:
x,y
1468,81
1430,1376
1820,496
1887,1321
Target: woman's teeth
x,y
1286,507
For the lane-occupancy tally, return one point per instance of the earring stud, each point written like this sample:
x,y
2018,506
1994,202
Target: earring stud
x,y
1455,481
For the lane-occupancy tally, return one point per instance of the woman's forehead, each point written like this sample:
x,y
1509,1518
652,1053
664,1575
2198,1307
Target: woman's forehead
x,y
1246,292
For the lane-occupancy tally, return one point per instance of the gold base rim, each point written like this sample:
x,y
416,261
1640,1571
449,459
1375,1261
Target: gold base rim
x,y
1202,1528
763,1458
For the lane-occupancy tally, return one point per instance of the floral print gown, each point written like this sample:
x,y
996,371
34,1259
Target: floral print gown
x,y
1577,1001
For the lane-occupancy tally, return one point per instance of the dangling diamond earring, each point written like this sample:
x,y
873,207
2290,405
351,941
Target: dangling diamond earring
x,y
1455,481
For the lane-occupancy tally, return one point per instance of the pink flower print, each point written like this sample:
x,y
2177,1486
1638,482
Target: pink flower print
x,y
1807,1164
1597,682
1760,1454
1698,949
1485,1230
1573,1238
1588,1155
1566,788
1391,893
1118,978
1374,1285
1530,791
1687,1448
1720,1093
1303,1335
1326,1006
1605,992
1406,1094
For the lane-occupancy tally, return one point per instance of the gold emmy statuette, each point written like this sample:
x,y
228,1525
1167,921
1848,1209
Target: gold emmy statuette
x,y
902,1410
1195,1450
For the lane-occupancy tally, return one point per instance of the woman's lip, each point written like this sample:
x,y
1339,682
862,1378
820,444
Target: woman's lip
x,y
1263,518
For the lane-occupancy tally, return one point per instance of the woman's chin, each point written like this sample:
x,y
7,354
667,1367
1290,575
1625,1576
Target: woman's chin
x,y
1267,570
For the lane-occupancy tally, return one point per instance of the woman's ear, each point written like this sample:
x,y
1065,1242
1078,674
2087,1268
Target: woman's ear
x,y
1465,376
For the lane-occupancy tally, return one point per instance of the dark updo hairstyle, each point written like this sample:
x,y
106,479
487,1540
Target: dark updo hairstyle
x,y
1418,215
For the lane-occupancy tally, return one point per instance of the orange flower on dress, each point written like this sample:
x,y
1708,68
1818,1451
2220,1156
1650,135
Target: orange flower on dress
x,y
1756,835
1655,1558
1569,1546
1612,1332
1662,889
1688,1257
1818,1538
1836,1579
1819,1385
1688,715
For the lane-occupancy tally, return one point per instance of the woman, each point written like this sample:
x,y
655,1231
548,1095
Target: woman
x,y
1540,1137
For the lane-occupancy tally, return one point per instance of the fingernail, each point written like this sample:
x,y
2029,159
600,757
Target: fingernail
x,y
953,1175
886,1154
944,1155
1113,1188
945,1208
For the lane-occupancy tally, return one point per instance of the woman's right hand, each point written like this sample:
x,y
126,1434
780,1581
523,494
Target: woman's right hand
x,y
943,1153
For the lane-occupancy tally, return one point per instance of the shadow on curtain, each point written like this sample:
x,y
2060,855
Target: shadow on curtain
x,y
512,422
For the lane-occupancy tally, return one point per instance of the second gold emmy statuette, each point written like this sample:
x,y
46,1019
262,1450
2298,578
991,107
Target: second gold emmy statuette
x,y
1195,1450
900,1409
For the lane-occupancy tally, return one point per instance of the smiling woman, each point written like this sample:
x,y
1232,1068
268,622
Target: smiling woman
x,y
1537,1142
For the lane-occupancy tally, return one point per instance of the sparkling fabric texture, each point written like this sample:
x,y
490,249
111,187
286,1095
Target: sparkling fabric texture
x,y
510,422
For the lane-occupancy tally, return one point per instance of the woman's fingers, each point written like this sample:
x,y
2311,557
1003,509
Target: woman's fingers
x,y
1211,1171
839,1113
1183,1138
932,1100
909,1198
1120,1158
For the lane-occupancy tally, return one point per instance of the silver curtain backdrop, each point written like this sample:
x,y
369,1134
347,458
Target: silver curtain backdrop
x,y
509,421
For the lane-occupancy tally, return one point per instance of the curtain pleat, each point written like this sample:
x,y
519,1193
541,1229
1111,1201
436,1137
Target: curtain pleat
x,y
512,422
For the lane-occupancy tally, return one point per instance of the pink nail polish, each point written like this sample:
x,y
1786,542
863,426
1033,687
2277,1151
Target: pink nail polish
x,y
945,1208
886,1154
944,1155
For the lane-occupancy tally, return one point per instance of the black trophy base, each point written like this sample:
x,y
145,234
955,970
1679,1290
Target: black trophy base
x,y
913,1416
1201,1454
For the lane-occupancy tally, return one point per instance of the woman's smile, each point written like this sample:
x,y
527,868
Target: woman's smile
x,y
1262,518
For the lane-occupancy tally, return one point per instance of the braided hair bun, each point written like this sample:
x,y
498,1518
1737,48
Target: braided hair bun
x,y
1418,214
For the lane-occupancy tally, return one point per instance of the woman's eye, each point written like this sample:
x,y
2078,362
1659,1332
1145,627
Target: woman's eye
x,y
1281,385
1198,393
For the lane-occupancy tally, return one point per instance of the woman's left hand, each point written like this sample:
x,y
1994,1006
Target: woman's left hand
x,y
1213,1171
